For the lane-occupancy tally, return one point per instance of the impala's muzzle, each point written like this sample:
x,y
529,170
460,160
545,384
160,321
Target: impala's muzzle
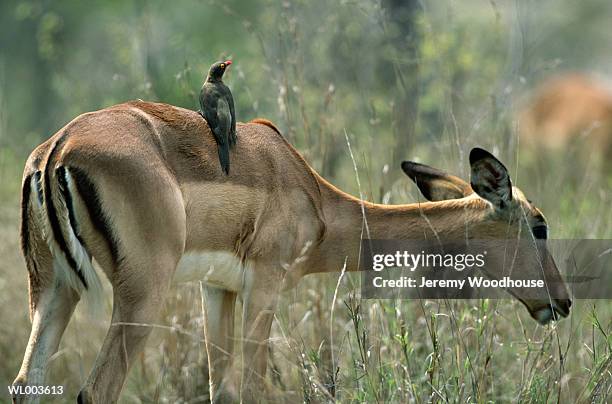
x,y
556,310
553,302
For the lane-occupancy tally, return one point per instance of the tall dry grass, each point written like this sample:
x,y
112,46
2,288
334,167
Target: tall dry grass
x,y
383,350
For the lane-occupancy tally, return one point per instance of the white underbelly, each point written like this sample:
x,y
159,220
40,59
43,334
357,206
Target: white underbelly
x,y
216,268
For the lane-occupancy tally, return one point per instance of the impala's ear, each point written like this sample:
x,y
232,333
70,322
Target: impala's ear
x,y
434,184
490,178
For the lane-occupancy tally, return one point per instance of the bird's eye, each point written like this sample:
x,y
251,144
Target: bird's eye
x,y
222,65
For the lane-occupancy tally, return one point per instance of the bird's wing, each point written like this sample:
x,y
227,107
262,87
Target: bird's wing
x,y
230,101
224,118
203,95
208,106
223,133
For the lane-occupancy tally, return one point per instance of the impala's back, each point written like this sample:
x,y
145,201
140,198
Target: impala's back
x,y
150,170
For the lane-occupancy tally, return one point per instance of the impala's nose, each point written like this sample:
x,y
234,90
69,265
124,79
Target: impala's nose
x,y
562,306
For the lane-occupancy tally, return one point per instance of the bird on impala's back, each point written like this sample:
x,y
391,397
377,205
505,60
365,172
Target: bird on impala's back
x,y
217,107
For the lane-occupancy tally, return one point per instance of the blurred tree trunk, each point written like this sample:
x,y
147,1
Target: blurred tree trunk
x,y
403,33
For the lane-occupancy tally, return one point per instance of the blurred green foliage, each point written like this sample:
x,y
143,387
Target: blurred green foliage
x,y
314,67
421,80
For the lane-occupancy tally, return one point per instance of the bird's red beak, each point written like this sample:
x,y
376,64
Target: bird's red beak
x,y
228,62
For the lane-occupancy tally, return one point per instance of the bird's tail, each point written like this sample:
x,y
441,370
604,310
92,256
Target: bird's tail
x,y
224,159
232,138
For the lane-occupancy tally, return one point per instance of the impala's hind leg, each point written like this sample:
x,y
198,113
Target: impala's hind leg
x,y
52,302
53,307
218,308
137,300
147,224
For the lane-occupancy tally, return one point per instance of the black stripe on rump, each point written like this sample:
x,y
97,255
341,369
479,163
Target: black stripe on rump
x,y
60,173
91,197
38,184
24,231
52,212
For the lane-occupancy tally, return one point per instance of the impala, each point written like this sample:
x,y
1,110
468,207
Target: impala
x,y
137,189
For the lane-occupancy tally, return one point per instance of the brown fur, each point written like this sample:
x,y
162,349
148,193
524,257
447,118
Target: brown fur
x,y
267,123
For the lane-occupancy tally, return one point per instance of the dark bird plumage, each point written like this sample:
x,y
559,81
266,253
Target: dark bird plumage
x,y
217,107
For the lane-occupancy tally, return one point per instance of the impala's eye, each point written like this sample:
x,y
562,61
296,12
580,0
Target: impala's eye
x,y
540,232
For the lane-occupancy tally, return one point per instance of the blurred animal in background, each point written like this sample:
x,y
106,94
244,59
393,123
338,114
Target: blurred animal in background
x,y
217,107
570,112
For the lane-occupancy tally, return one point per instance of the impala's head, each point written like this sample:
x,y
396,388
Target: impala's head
x,y
499,211
216,71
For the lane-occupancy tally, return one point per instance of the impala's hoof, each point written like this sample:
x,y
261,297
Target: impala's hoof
x,y
84,397
17,388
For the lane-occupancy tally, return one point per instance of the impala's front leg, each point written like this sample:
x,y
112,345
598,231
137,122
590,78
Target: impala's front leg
x,y
53,310
219,331
259,305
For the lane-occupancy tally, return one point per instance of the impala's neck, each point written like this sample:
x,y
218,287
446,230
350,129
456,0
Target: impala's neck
x,y
344,223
